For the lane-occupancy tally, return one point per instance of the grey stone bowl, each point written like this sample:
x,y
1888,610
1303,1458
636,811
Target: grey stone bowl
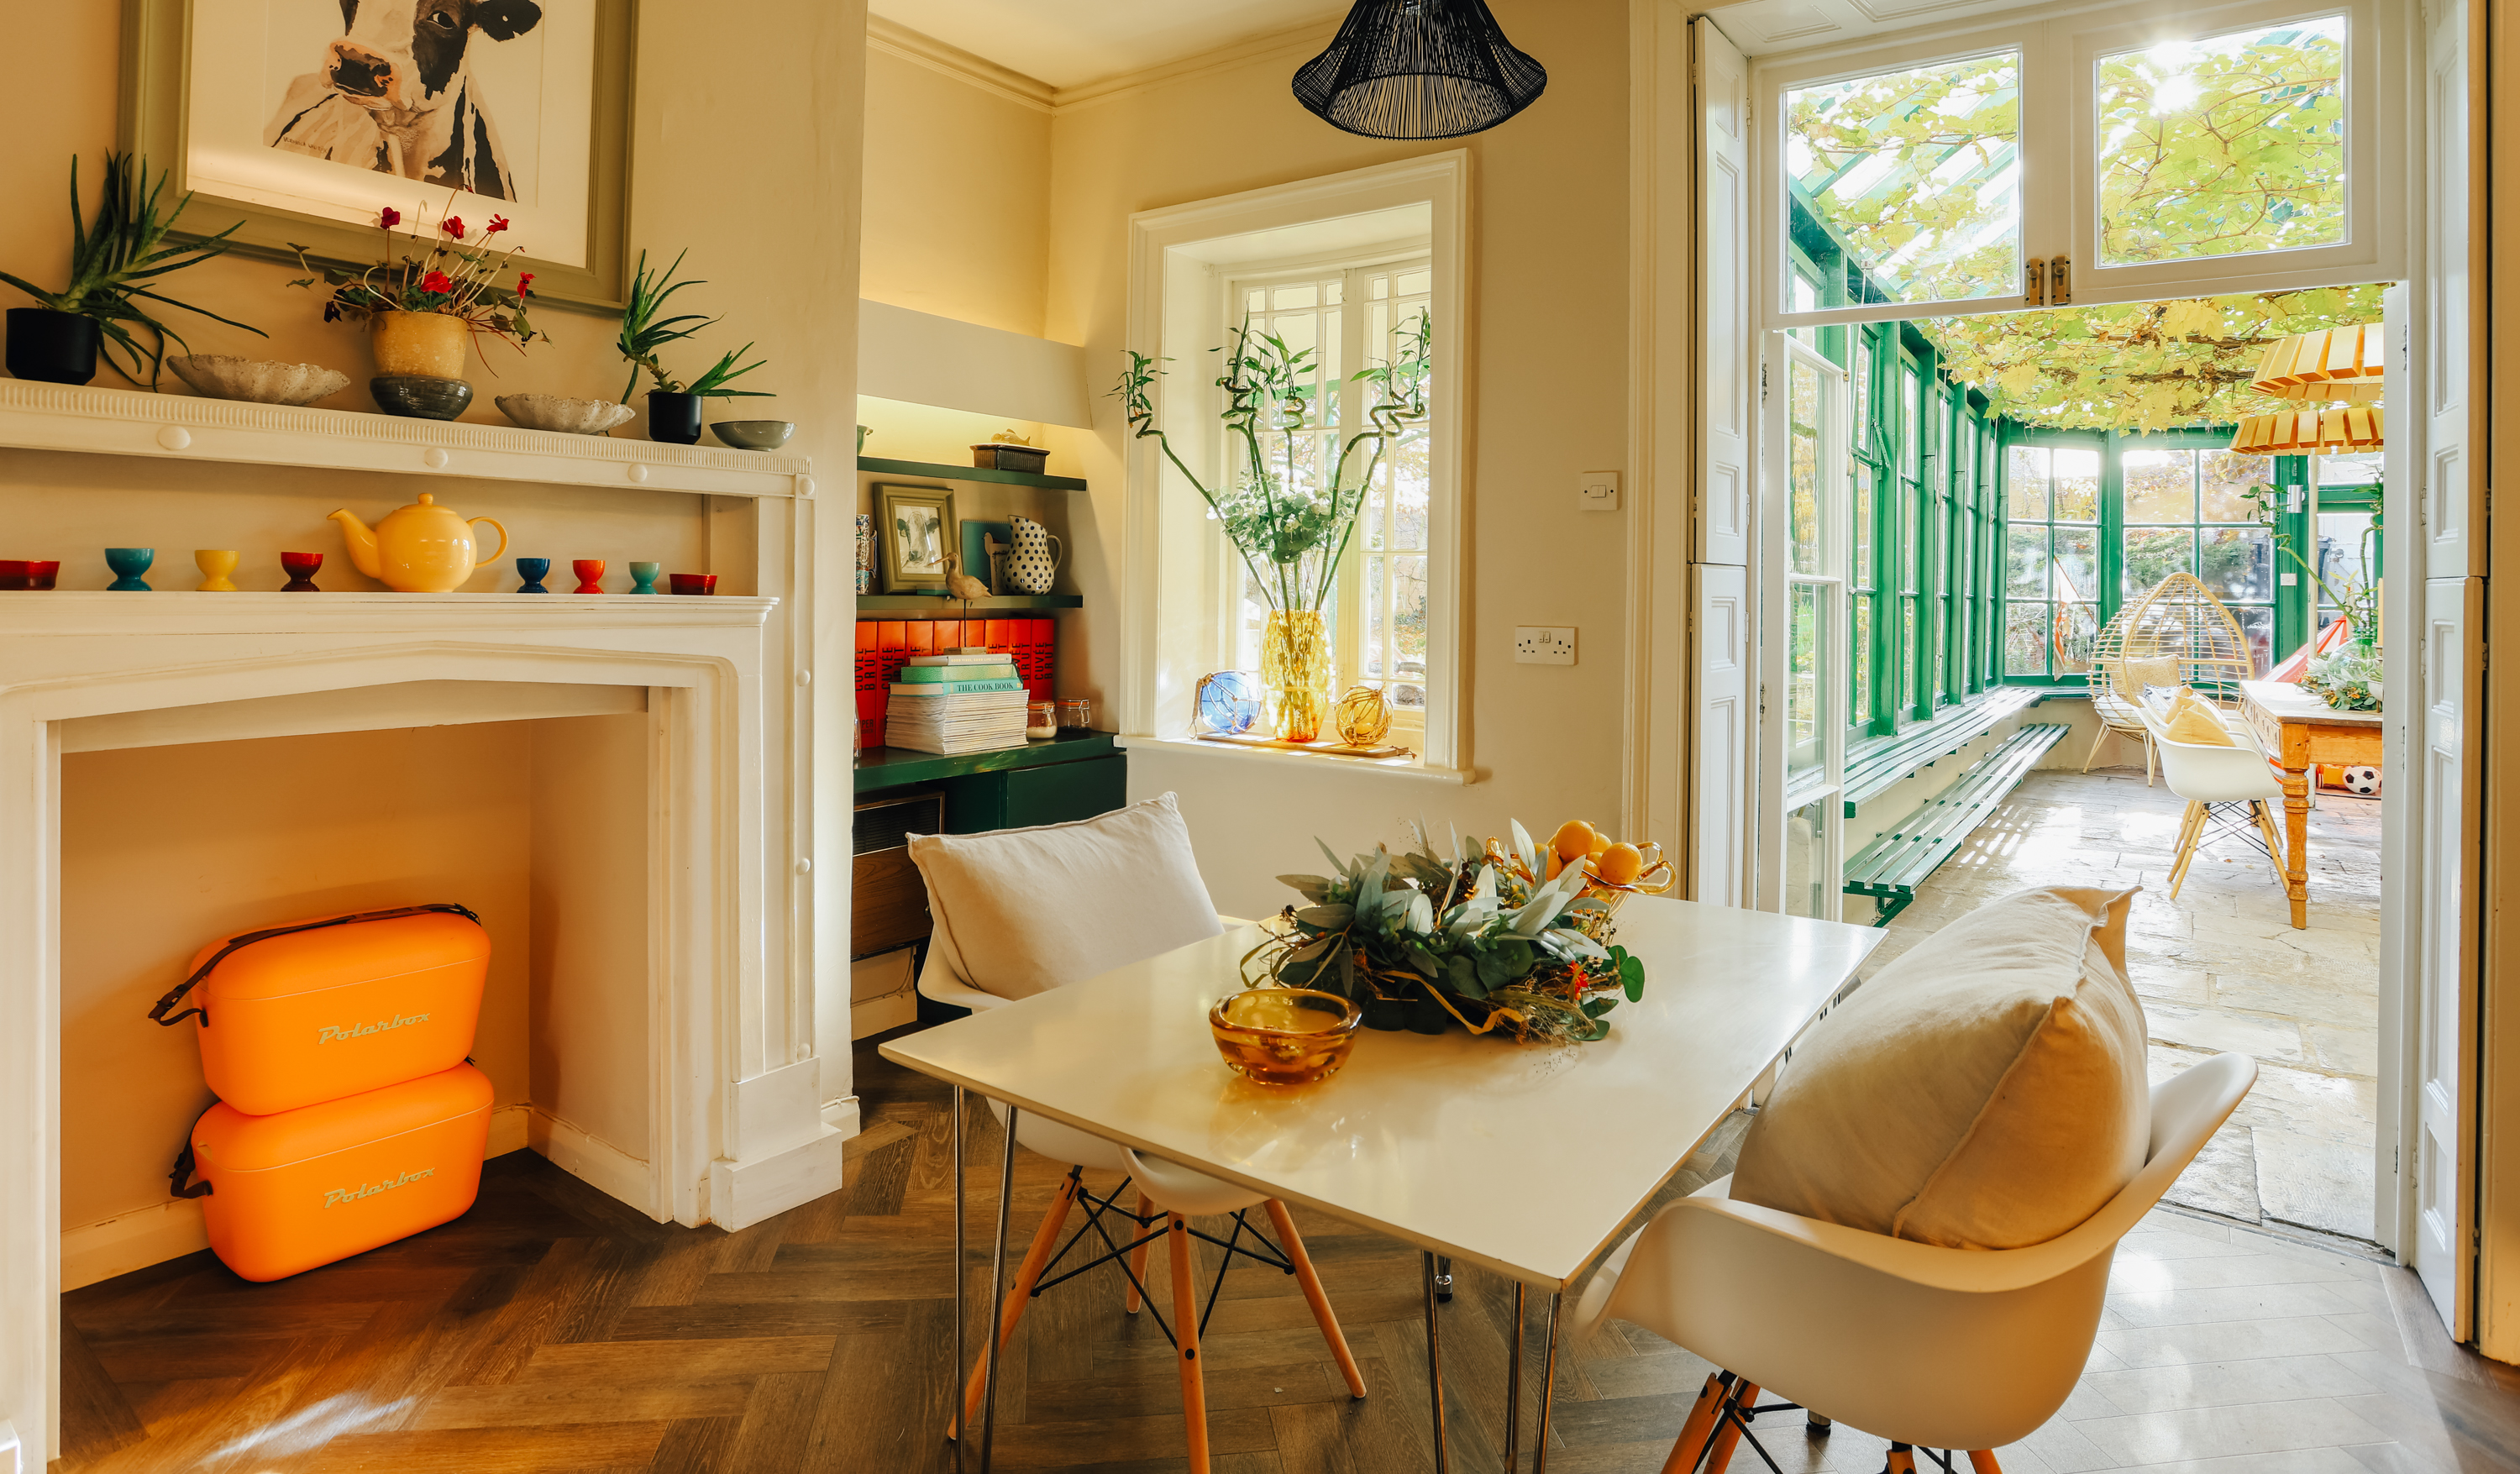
x,y
256,381
754,434
558,412
416,398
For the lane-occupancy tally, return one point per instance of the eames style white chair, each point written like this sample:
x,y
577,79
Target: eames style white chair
x,y
1930,1348
2215,780
1167,1195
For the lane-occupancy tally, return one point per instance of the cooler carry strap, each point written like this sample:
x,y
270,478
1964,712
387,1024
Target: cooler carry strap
x,y
248,939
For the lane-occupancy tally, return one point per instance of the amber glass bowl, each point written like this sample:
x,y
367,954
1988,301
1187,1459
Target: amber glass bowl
x,y
1283,1036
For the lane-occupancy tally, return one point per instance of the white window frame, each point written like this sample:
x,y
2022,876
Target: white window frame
x,y
1172,579
1355,273
2059,167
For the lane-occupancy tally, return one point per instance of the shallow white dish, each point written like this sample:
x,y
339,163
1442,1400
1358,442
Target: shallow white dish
x,y
558,412
256,381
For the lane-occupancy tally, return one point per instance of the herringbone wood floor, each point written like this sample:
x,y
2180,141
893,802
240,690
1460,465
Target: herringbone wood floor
x,y
551,1329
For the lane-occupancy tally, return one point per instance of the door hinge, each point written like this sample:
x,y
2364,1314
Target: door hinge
x,y
1763,384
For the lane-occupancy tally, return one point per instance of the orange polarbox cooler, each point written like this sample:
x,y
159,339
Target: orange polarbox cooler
x,y
317,1009
286,1192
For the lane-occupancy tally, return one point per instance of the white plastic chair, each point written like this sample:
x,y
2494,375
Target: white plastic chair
x,y
1957,1349
1172,1192
2211,778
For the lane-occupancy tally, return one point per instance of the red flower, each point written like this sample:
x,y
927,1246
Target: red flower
x,y
525,283
436,282
388,217
454,226
498,223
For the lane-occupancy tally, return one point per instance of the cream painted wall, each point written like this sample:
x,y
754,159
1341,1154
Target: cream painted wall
x,y
1549,351
592,845
957,199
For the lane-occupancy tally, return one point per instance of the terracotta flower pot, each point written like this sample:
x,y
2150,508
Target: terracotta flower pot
x,y
418,344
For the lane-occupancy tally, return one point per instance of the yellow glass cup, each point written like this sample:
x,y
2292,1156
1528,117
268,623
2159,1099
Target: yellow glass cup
x,y
1284,1036
216,563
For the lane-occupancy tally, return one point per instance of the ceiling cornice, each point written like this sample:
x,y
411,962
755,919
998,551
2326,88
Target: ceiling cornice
x,y
897,40
1315,35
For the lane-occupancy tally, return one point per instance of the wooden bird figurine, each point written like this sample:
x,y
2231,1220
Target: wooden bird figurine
x,y
963,585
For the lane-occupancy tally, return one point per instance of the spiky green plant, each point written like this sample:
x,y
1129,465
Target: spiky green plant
x,y
113,255
644,331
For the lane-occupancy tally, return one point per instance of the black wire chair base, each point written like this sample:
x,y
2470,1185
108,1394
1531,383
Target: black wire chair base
x,y
1150,1228
1731,1412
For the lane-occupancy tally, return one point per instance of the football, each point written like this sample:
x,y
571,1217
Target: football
x,y
2362,781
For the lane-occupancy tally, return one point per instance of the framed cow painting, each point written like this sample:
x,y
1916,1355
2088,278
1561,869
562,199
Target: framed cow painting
x,y
305,119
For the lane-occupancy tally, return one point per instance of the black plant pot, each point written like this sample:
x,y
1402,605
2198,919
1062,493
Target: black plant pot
x,y
1390,1014
1427,1016
674,418
55,347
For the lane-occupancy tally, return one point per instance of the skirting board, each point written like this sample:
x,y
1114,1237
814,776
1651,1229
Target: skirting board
x,y
173,1228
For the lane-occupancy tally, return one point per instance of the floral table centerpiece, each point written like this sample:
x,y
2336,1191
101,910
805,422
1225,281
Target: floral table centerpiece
x,y
1290,525
424,310
1480,939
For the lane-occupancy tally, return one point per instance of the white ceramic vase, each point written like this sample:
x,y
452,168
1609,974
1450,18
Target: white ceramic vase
x,y
1034,559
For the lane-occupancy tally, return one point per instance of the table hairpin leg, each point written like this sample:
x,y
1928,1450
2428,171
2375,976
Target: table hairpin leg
x,y
1513,1385
1548,1386
997,1290
956,1381
1435,1366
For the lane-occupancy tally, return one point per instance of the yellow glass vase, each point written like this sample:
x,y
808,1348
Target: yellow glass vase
x,y
1295,668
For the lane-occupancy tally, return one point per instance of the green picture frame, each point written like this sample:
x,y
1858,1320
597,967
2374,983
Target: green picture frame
x,y
158,38
916,526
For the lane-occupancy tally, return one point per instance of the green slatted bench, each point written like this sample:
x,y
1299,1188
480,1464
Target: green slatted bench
x,y
1882,766
1891,867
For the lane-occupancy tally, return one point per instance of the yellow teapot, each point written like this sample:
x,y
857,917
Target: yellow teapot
x,y
419,549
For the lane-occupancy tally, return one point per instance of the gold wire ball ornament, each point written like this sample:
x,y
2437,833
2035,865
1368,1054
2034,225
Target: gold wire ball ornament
x,y
1362,715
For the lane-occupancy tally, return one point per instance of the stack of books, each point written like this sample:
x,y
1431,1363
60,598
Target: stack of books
x,y
956,703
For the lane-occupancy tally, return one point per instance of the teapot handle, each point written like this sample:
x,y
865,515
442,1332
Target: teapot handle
x,y
490,557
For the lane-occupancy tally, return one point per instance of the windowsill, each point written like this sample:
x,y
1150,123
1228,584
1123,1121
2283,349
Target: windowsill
x,y
1409,768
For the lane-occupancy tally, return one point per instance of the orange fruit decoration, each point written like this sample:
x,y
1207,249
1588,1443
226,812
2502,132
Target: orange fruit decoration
x,y
1619,865
1573,839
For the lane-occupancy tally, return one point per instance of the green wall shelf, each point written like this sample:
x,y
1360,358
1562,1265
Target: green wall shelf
x,y
929,607
936,473
882,768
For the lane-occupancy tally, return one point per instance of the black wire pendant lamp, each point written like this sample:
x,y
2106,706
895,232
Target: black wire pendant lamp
x,y
1418,69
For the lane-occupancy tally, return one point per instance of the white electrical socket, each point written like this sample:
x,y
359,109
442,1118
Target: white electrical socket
x,y
1599,490
1543,645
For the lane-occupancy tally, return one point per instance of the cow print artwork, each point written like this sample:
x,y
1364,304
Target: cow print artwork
x,y
394,94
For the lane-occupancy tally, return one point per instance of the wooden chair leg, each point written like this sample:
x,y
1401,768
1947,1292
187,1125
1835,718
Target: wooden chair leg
x,y
1983,1461
2097,739
1902,1459
1185,1333
2190,830
1694,1433
1727,1434
1035,1259
1314,1295
1138,1255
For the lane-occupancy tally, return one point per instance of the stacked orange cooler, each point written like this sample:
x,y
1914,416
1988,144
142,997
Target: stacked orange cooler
x,y
348,1117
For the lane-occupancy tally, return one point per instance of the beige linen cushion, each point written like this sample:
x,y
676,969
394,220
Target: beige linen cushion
x,y
1986,1090
1019,912
2193,719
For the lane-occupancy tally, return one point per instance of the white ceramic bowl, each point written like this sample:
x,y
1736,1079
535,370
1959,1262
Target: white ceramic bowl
x,y
754,434
569,416
257,381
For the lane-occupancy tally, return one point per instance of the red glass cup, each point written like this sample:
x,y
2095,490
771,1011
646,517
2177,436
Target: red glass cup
x,y
695,583
28,574
300,567
590,575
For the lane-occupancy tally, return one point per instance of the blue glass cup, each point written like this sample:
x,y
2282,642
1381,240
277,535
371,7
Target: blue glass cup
x,y
643,577
128,563
531,571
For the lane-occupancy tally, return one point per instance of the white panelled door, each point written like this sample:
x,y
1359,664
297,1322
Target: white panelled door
x,y
1720,792
1723,725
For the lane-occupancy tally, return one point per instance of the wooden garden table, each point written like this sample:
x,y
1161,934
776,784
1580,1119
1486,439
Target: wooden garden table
x,y
2303,732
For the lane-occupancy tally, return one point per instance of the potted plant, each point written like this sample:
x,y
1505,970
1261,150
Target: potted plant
x,y
673,407
1290,527
114,261
423,311
2344,667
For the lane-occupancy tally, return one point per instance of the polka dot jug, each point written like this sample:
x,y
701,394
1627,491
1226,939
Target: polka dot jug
x,y
1034,559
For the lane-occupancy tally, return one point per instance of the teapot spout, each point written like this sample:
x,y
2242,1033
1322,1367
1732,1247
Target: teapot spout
x,y
362,540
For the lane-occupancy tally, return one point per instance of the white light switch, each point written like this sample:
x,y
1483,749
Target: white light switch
x,y
1543,645
1599,490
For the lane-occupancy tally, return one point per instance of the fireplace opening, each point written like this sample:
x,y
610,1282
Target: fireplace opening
x,y
545,828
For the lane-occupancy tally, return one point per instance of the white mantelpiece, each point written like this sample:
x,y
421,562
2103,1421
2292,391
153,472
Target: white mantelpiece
x,y
748,1113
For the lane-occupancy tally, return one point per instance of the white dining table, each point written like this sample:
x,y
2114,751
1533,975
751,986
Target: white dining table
x,y
1523,1159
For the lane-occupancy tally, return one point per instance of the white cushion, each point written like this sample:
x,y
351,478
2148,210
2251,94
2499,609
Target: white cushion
x,y
1018,912
1986,1090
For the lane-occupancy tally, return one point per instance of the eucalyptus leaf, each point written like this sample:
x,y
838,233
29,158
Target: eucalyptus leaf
x,y
1524,850
1312,888
1327,918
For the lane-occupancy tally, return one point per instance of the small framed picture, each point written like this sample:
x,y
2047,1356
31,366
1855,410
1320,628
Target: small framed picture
x,y
916,526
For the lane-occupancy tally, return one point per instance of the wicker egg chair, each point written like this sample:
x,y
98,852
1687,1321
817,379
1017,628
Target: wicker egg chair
x,y
2178,634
